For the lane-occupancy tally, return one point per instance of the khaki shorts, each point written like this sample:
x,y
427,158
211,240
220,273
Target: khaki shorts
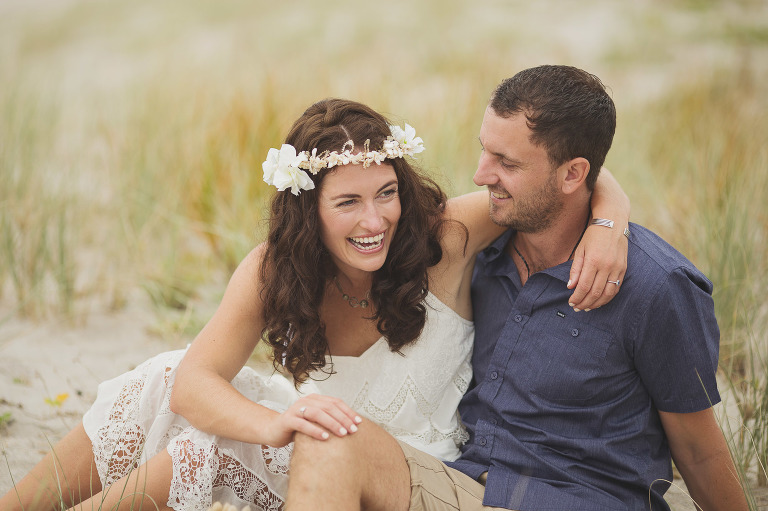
x,y
437,487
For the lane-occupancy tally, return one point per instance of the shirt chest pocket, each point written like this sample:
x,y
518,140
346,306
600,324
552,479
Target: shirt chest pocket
x,y
571,363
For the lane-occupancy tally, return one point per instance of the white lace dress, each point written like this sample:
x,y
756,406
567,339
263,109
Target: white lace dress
x,y
414,397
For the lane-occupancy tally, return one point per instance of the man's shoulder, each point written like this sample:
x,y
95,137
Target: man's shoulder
x,y
653,257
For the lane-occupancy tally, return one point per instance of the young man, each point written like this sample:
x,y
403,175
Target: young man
x,y
568,409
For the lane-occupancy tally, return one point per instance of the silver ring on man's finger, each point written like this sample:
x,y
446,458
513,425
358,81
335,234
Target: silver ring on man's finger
x,y
302,410
617,282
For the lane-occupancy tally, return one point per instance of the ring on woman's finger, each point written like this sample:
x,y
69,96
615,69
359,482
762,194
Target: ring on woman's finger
x,y
302,410
617,282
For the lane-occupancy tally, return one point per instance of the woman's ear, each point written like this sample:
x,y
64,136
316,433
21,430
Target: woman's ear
x,y
574,174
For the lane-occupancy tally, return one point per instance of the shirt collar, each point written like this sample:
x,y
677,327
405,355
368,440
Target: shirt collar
x,y
495,249
561,271
491,254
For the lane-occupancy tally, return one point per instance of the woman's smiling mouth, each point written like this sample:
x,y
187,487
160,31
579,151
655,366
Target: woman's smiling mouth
x,y
367,243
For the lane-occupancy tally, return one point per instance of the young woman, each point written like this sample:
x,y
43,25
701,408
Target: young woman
x,y
362,293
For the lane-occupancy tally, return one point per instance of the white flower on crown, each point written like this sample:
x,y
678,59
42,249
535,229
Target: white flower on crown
x,y
407,139
285,168
295,178
282,169
392,148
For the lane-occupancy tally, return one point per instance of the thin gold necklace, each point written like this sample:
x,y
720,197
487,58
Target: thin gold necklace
x,y
351,300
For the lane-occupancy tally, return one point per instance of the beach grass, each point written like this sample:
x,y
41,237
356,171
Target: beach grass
x,y
702,176
131,141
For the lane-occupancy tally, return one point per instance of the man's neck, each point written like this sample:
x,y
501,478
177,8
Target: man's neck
x,y
534,252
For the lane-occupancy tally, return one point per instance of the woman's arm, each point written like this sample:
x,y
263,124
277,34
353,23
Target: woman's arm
x,y
602,253
202,392
472,211
469,230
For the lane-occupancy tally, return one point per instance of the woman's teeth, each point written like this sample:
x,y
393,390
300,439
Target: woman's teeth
x,y
367,242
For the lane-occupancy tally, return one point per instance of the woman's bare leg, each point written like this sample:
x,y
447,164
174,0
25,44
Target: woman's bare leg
x,y
144,489
65,476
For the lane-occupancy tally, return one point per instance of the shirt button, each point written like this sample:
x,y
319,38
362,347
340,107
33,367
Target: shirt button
x,y
575,332
518,318
494,421
494,375
481,441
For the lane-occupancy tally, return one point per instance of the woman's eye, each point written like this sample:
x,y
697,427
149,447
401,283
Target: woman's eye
x,y
389,193
346,203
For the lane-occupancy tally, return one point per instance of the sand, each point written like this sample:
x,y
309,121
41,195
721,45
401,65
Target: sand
x,y
39,362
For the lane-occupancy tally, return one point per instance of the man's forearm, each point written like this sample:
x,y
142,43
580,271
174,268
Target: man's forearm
x,y
703,459
714,484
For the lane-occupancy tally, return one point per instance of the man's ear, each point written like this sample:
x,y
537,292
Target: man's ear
x,y
574,174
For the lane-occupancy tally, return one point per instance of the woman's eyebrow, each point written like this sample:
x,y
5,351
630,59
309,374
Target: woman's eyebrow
x,y
356,195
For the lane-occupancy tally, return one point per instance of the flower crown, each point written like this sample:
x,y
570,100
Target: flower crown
x,y
284,168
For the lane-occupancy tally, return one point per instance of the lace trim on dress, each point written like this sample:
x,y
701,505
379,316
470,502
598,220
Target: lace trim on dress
x,y
277,459
384,416
461,383
119,451
199,470
120,441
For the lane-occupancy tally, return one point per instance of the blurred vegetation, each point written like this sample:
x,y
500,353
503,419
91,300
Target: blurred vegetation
x,y
132,136
699,158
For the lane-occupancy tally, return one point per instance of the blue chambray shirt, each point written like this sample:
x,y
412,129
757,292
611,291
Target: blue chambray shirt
x,y
563,408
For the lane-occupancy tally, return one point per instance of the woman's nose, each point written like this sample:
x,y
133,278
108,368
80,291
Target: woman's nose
x,y
372,219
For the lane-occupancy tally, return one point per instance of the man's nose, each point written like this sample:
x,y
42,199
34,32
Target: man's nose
x,y
484,176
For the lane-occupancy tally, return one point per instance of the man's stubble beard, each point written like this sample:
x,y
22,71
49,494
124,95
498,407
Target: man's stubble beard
x,y
533,213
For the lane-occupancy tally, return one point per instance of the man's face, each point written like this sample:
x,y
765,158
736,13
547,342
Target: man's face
x,y
522,185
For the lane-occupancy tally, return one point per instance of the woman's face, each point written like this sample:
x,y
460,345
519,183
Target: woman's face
x,y
359,209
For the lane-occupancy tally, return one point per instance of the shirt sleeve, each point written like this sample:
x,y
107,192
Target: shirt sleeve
x,y
676,347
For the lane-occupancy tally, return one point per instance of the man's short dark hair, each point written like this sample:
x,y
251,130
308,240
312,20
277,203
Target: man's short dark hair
x,y
568,110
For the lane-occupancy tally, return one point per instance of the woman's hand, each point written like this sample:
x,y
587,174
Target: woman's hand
x,y
600,258
314,415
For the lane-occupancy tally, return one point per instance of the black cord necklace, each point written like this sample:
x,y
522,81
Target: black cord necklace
x,y
528,268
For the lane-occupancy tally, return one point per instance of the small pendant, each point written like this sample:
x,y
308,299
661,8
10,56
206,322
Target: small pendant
x,y
351,300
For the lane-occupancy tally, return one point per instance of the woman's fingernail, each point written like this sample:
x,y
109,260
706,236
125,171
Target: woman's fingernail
x,y
358,420
342,431
353,428
569,283
325,435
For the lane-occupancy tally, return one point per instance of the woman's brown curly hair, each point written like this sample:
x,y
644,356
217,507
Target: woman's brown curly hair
x,y
297,266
